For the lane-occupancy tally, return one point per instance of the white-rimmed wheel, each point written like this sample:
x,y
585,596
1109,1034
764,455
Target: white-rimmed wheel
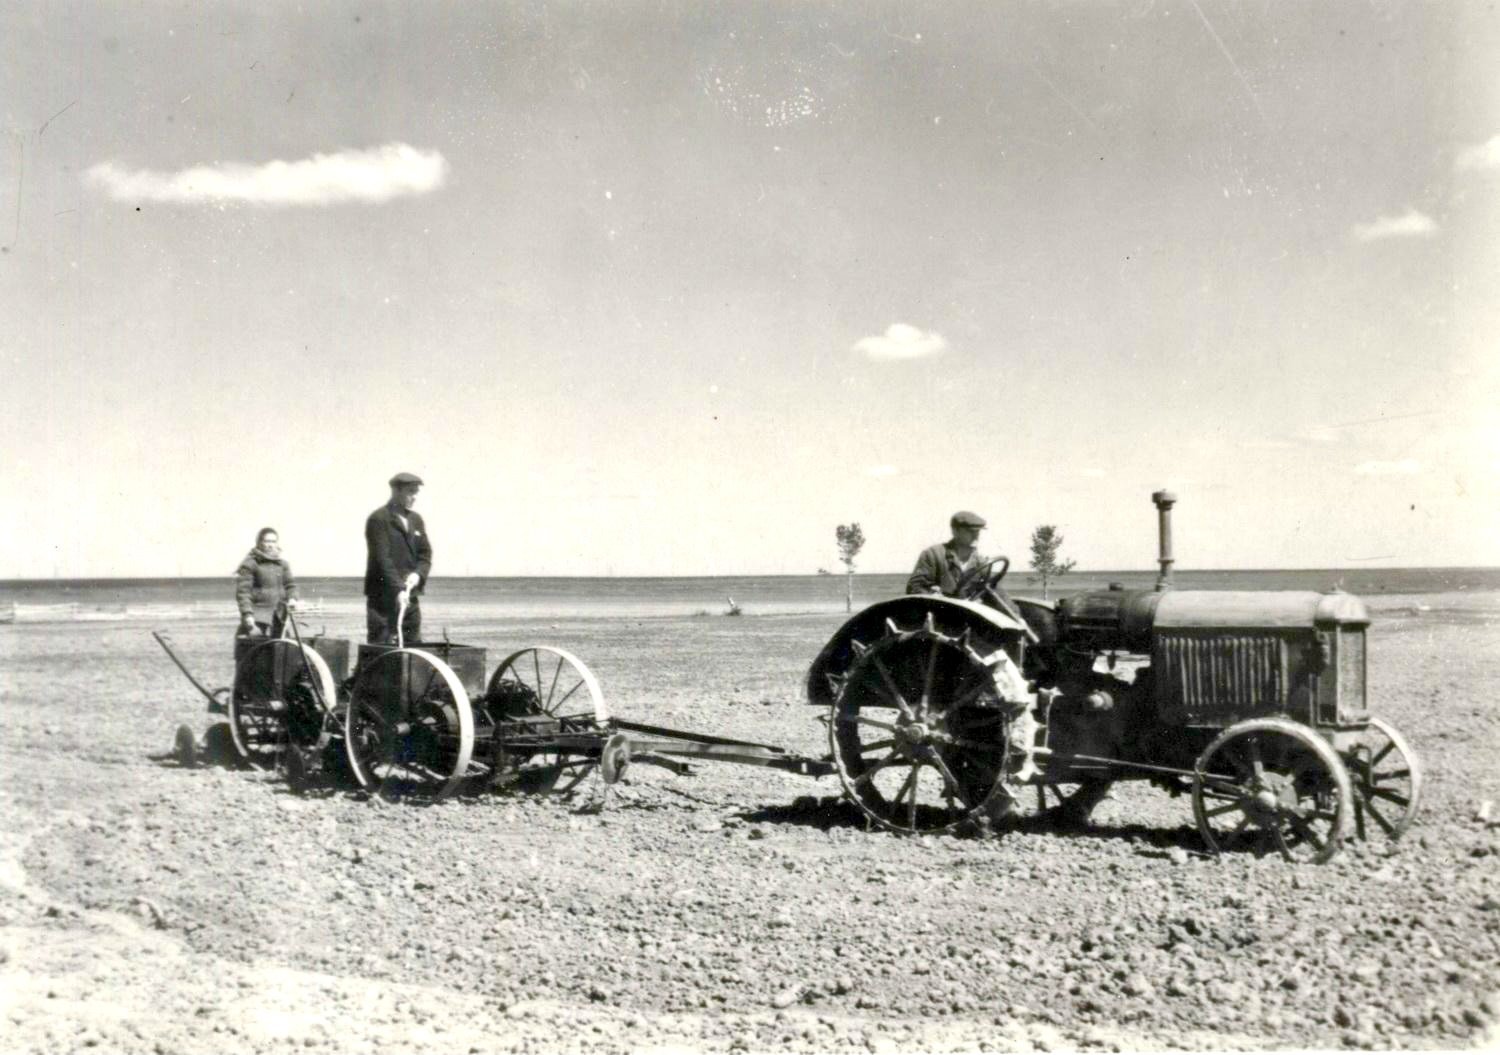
x,y
409,730
1270,785
281,695
1387,780
535,698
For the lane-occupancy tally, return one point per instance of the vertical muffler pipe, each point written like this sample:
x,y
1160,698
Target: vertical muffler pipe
x,y
1164,501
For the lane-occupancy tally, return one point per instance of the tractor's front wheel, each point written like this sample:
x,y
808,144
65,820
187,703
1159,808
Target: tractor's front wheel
x,y
1269,785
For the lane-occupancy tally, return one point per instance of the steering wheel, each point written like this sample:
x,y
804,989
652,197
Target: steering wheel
x,y
981,578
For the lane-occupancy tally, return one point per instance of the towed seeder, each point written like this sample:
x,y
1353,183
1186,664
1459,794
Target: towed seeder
x,y
422,720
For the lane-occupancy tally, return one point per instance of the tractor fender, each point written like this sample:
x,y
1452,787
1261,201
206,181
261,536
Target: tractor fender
x,y
949,614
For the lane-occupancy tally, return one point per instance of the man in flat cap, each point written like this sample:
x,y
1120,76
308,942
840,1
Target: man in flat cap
x,y
399,557
940,568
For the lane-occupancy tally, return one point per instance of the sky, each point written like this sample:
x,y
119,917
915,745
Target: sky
x,y
677,288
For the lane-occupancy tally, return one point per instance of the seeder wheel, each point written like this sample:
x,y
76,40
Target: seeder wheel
x,y
542,687
278,687
410,730
1387,779
919,731
1269,784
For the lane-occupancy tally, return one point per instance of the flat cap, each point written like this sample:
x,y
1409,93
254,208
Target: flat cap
x,y
964,518
403,479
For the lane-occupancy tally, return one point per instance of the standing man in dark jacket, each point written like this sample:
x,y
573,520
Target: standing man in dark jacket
x,y
399,558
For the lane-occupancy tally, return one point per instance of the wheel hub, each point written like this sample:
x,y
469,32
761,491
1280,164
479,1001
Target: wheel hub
x,y
1271,794
914,734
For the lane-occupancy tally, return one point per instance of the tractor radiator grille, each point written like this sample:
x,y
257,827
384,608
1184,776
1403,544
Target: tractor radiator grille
x,y
1351,704
1216,678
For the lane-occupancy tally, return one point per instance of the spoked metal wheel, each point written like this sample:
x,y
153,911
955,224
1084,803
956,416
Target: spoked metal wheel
x,y
1387,780
410,731
1272,785
282,692
919,731
537,697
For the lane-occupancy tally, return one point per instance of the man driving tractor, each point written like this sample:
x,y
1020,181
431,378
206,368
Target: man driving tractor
x,y
956,569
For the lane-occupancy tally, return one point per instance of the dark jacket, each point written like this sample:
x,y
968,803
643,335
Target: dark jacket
x,y
394,553
261,583
937,566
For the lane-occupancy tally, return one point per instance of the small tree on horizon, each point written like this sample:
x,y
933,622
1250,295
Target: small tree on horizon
x,y
851,540
1046,541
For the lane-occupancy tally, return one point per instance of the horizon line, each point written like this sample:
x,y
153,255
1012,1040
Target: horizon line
x,y
776,575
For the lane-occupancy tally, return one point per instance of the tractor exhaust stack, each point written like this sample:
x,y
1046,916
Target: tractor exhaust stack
x,y
1164,501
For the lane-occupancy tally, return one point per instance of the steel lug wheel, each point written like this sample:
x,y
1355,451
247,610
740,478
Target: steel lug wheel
x,y
1270,785
919,731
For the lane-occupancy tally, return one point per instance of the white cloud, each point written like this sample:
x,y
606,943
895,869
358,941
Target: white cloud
x,y
882,470
374,175
1413,224
901,341
1405,467
1481,157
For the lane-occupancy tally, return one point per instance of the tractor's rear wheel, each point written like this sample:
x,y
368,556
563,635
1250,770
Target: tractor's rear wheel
x,y
920,732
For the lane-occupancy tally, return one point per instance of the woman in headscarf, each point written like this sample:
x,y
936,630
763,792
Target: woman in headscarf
x,y
264,586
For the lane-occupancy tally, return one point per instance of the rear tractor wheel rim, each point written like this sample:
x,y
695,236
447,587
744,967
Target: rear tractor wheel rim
x,y
918,730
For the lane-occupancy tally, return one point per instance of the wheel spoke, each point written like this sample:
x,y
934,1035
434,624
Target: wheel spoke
x,y
1385,825
566,696
1390,796
1393,774
553,687
947,774
1306,830
1222,786
909,784
859,719
1228,807
1257,765
426,685
896,696
876,745
927,676
1390,745
884,763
